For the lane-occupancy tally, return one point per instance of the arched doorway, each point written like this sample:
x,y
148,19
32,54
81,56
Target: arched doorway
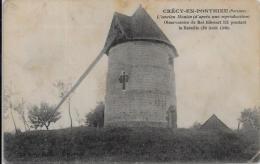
x,y
172,117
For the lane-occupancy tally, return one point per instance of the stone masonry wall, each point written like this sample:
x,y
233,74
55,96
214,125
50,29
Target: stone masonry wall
x,y
150,89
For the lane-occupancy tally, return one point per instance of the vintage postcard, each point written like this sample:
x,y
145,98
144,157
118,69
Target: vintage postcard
x,y
140,81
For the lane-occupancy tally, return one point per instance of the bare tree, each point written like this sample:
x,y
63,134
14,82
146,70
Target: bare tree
x,y
21,111
43,115
8,105
63,89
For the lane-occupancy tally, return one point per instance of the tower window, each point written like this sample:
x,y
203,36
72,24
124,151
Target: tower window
x,y
123,79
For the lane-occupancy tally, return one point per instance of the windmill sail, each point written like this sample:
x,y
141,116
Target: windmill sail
x,y
81,78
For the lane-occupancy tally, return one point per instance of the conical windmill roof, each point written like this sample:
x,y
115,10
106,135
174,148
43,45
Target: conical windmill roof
x,y
214,123
139,26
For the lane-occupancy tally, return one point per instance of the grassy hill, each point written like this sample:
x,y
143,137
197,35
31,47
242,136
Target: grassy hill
x,y
129,144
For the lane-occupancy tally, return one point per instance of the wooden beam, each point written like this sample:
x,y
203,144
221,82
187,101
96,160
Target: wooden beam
x,y
81,78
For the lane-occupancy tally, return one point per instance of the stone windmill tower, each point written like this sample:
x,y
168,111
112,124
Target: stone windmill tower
x,y
140,79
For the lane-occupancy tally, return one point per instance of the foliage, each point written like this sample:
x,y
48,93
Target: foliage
x,y
95,118
250,119
43,115
196,125
130,144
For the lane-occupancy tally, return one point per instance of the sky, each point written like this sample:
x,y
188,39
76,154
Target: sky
x,y
217,72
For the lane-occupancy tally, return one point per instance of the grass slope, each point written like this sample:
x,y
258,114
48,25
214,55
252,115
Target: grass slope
x,y
129,144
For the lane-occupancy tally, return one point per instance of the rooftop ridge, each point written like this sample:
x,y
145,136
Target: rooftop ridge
x,y
214,117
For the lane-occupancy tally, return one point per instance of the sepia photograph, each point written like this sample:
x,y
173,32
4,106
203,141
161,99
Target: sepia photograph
x,y
140,81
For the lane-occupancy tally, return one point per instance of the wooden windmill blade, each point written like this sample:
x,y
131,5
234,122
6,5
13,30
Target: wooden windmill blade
x,y
109,42
81,78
